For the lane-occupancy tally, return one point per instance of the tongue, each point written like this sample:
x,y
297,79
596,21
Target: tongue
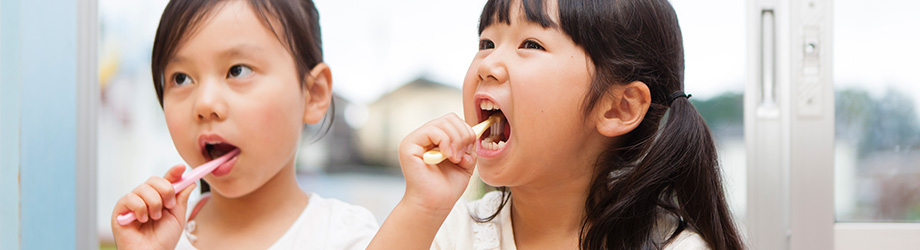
x,y
224,168
215,151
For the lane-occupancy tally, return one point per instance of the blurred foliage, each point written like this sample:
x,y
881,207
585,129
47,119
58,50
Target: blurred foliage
x,y
913,214
888,123
723,113
726,108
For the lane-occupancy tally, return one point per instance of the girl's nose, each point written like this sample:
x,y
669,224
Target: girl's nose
x,y
210,103
492,68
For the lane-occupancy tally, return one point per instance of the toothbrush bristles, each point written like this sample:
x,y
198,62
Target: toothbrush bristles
x,y
496,127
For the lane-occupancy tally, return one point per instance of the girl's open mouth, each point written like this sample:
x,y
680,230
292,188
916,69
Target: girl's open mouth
x,y
213,147
496,136
216,149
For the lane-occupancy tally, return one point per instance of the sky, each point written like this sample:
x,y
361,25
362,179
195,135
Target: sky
x,y
374,47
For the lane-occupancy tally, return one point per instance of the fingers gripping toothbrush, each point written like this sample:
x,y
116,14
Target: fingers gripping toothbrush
x,y
434,156
186,180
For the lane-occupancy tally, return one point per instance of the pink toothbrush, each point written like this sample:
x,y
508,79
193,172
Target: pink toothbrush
x,y
186,180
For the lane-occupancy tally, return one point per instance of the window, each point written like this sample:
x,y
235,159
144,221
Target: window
x,y
877,103
833,66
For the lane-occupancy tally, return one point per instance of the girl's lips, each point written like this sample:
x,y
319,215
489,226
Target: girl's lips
x,y
225,168
213,146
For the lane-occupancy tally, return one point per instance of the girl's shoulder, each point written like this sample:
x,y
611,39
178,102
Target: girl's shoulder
x,y
339,224
325,223
461,231
338,211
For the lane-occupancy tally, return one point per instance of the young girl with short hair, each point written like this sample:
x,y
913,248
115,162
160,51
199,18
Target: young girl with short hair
x,y
240,75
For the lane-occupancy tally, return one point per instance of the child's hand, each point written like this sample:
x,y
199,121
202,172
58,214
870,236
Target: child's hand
x,y
160,213
437,188
431,191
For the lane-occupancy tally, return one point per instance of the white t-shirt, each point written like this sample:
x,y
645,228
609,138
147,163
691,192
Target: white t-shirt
x,y
460,231
323,224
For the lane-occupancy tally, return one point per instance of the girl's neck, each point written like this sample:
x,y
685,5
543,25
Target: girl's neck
x,y
255,220
549,216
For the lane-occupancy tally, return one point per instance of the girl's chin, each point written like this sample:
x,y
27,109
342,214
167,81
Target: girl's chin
x,y
490,182
487,173
227,187
228,192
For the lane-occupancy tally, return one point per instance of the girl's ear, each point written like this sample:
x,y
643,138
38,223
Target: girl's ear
x,y
622,109
318,91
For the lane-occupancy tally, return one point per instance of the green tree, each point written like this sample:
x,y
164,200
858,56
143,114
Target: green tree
x,y
723,113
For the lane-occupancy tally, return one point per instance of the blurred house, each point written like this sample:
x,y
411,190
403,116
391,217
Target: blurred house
x,y
397,113
329,150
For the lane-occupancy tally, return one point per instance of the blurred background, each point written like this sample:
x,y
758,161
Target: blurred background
x,y
398,64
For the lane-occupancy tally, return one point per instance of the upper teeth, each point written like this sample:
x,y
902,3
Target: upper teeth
x,y
488,105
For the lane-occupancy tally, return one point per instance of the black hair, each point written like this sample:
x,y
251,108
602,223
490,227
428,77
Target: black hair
x,y
648,172
299,31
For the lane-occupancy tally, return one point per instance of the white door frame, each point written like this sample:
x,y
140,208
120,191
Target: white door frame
x,y
789,122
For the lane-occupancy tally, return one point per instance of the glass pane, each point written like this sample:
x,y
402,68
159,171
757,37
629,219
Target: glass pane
x,y
380,53
133,142
877,175
715,76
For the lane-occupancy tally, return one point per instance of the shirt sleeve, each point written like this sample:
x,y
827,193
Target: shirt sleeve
x,y
448,231
687,240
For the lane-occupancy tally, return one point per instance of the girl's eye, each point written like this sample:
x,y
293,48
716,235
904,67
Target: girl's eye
x,y
239,71
180,79
531,44
486,44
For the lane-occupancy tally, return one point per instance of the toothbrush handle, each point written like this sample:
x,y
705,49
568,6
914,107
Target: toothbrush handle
x,y
127,218
193,176
434,156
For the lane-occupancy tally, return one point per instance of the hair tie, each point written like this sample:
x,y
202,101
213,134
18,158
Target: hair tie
x,y
677,94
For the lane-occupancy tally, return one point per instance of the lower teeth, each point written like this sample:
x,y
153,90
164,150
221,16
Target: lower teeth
x,y
493,143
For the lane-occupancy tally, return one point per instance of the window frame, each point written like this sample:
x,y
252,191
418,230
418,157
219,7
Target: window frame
x,y
790,144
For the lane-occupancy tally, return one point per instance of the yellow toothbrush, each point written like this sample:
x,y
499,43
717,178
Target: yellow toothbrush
x,y
434,156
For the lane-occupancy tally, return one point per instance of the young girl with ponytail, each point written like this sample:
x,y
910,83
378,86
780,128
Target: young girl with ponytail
x,y
598,147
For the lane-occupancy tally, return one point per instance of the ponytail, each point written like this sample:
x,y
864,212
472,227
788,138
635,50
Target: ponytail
x,y
698,184
676,173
